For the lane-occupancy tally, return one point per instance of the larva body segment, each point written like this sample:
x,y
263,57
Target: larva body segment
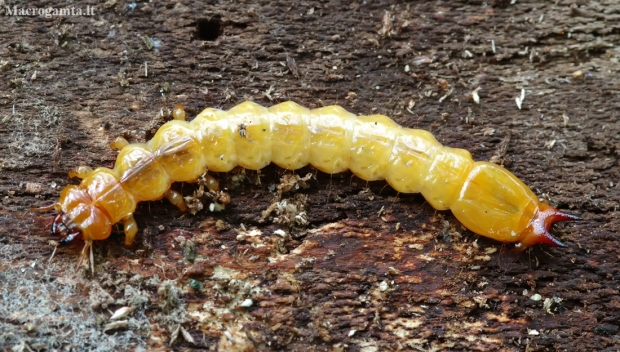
x,y
291,148
504,202
109,194
371,146
178,152
215,132
141,175
485,197
411,159
446,176
253,141
331,129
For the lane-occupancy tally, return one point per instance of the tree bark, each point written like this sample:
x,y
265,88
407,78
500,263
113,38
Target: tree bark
x,y
342,264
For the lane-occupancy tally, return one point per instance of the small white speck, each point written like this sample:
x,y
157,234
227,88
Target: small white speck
x,y
536,297
475,96
383,286
121,313
520,99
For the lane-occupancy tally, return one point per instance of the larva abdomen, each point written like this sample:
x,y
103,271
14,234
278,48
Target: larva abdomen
x,y
334,140
485,197
331,128
411,159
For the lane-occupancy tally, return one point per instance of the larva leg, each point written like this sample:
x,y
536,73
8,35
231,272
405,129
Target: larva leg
x,y
119,143
80,172
211,182
131,228
176,198
88,247
178,113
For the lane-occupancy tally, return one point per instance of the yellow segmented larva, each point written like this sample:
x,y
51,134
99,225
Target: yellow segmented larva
x,y
485,197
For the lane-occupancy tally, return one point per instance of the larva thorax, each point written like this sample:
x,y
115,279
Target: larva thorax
x,y
485,197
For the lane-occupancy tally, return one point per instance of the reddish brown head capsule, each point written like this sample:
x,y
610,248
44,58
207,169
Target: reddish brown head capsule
x,y
537,231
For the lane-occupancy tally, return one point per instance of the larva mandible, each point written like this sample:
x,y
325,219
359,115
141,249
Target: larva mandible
x,y
484,197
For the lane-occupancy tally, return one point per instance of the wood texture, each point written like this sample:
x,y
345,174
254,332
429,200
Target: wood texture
x,y
358,267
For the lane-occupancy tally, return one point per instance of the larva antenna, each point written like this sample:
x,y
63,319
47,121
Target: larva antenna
x,y
537,231
55,206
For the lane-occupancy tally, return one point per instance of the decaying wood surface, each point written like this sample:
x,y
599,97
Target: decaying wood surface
x,y
328,263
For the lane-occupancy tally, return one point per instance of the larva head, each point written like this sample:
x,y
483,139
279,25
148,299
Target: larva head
x,y
537,232
79,217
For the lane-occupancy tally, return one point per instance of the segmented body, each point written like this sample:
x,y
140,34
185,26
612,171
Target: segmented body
x,y
485,197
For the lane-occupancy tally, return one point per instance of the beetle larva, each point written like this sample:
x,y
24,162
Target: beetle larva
x,y
484,197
